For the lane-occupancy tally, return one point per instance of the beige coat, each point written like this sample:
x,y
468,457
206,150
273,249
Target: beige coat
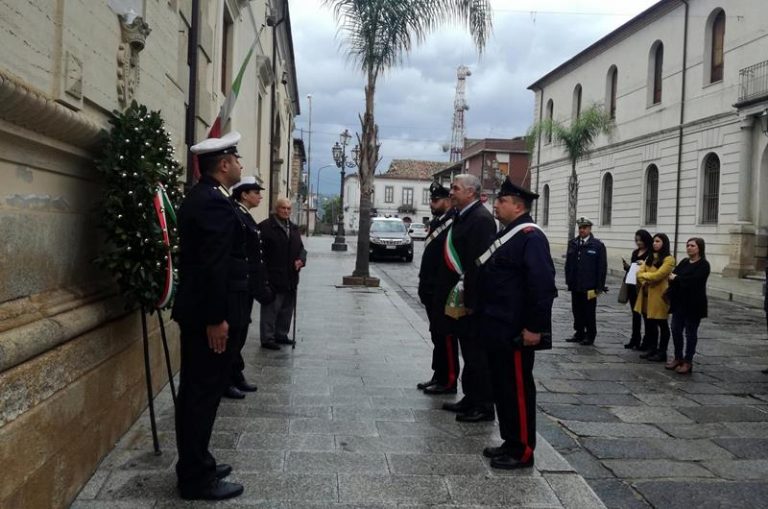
x,y
652,282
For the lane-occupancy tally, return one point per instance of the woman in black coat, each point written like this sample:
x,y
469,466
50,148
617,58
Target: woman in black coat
x,y
688,299
643,241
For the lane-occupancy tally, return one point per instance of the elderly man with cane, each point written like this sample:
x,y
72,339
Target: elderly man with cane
x,y
284,256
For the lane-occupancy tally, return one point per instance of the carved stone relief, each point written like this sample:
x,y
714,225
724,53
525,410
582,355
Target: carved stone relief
x,y
133,36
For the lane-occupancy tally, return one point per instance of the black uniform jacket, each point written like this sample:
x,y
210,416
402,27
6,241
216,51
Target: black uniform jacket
x,y
213,267
257,270
586,265
280,253
432,258
473,232
517,284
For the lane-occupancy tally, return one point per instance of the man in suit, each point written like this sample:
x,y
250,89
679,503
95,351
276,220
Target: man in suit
x,y
471,233
246,195
211,307
585,269
516,292
445,353
284,255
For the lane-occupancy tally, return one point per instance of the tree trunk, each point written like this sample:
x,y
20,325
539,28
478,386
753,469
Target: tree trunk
x,y
573,200
369,155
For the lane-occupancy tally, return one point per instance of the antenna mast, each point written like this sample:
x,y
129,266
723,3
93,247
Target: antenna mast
x,y
459,107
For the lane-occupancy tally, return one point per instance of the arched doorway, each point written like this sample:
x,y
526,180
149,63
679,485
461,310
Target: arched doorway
x,y
761,240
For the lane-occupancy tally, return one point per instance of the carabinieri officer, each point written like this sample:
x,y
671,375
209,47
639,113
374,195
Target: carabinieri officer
x,y
445,353
516,292
211,308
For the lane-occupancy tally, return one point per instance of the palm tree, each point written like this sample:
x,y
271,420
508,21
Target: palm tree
x,y
577,139
378,33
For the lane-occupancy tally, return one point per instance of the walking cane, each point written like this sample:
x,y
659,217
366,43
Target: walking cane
x,y
295,292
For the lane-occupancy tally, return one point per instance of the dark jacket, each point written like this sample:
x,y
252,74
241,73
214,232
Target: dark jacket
x,y
517,284
258,282
586,265
687,293
280,253
213,271
472,233
432,257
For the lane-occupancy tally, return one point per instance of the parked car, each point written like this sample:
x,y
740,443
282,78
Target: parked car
x,y
418,231
389,238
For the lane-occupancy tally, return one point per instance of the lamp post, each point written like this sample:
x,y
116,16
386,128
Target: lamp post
x,y
339,152
309,162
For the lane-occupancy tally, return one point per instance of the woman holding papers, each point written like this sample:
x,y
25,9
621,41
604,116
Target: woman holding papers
x,y
652,281
643,242
688,303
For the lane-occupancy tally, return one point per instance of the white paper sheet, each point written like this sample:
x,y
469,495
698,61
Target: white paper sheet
x,y
631,278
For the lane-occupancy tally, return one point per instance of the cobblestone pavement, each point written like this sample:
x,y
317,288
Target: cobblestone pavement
x,y
641,435
338,423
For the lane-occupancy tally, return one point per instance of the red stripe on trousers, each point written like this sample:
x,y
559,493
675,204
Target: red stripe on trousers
x,y
451,367
518,357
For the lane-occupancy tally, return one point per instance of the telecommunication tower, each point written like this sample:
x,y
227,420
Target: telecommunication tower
x,y
459,107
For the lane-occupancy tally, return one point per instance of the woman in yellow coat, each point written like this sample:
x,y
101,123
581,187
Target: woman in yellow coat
x,y
652,282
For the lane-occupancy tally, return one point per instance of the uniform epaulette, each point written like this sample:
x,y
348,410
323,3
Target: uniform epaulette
x,y
529,229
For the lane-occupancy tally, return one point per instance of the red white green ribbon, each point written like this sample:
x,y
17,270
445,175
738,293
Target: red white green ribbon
x,y
456,296
162,205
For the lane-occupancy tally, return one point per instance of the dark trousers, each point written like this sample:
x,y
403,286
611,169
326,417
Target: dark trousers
x,y
689,325
584,320
514,393
445,351
238,363
204,377
637,318
275,322
475,377
657,332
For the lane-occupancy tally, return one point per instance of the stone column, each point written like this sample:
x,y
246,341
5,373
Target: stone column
x,y
742,258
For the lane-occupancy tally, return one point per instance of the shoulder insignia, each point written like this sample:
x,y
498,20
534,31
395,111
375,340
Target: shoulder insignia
x,y
528,229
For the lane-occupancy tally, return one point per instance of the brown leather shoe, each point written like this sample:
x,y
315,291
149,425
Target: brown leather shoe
x,y
673,363
686,368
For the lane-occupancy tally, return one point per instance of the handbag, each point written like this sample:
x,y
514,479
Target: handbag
x,y
623,293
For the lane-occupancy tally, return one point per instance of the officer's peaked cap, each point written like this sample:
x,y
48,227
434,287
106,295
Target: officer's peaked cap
x,y
583,221
509,188
227,144
436,191
247,183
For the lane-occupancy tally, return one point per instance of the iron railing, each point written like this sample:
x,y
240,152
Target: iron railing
x,y
753,82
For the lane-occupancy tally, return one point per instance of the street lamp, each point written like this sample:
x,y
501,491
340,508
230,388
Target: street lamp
x,y
309,161
339,151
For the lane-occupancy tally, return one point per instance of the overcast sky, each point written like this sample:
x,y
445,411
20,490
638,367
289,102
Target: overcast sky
x,y
414,102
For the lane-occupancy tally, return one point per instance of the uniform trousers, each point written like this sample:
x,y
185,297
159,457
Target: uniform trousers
x,y
238,363
514,393
276,317
204,377
584,319
445,352
475,379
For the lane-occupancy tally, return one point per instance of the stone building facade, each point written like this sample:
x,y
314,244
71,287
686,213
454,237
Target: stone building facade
x,y
71,368
687,86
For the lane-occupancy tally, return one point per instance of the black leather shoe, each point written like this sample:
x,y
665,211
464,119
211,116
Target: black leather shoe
x,y
476,415
246,387
218,490
270,345
657,357
495,452
510,463
283,341
223,470
587,342
423,385
647,353
233,392
631,346
440,389
575,339
460,406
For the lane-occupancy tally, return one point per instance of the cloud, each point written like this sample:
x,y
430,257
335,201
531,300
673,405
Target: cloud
x,y
414,101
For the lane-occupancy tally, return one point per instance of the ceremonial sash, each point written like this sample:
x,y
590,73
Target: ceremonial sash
x,y
164,206
437,231
503,240
454,305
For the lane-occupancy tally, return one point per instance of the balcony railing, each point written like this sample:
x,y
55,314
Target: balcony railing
x,y
753,82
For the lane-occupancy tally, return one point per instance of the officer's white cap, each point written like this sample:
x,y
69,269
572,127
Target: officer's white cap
x,y
227,144
583,221
247,183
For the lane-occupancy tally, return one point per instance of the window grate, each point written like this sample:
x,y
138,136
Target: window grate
x,y
711,198
607,199
652,195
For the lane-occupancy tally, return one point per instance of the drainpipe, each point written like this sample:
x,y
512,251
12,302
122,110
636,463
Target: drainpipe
x,y
680,135
538,158
273,101
189,129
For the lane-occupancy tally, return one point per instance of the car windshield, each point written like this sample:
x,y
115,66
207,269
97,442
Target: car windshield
x,y
418,226
387,227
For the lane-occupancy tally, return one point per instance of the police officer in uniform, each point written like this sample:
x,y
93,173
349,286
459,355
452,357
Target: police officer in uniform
x,y
471,233
585,270
445,353
246,195
516,292
211,308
